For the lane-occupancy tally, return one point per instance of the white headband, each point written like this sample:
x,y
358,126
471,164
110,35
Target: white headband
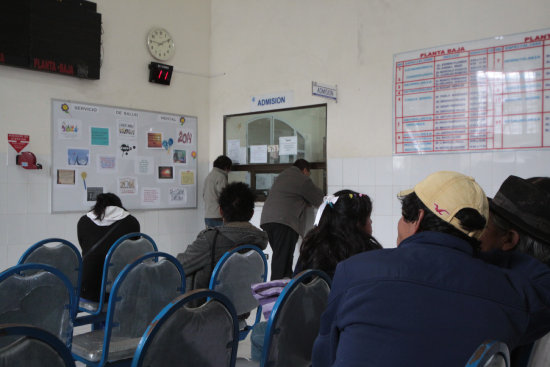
x,y
330,200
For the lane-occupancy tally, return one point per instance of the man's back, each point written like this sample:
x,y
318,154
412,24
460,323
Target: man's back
x,y
427,303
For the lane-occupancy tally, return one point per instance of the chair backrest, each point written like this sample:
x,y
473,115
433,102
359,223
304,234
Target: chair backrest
x,y
540,353
38,295
491,353
205,336
294,322
234,274
139,293
123,252
30,346
60,254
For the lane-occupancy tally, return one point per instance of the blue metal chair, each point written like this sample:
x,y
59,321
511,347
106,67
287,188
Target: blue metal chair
x,y
29,346
491,353
233,277
125,250
139,293
38,295
294,321
60,254
206,336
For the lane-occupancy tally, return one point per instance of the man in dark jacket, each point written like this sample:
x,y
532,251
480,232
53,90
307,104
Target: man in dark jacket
x,y
283,214
520,218
431,301
236,208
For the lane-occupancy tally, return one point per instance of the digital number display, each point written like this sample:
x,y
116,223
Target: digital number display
x,y
160,73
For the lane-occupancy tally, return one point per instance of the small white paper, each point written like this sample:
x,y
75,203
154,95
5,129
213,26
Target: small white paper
x,y
288,145
150,196
258,154
234,150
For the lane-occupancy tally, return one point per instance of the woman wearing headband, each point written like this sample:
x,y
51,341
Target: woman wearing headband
x,y
343,228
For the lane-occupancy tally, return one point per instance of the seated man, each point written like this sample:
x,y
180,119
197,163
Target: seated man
x,y
236,208
520,218
431,302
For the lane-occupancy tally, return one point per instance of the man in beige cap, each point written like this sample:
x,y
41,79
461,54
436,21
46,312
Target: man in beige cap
x,y
431,301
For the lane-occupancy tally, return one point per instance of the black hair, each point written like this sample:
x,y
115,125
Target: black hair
x,y
103,201
237,202
302,164
340,233
470,219
223,162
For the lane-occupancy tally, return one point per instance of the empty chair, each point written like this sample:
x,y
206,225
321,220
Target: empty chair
x,y
38,295
125,250
138,294
234,275
490,353
203,336
294,322
29,346
60,254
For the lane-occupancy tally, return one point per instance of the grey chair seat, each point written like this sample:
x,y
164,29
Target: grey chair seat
x,y
243,362
90,346
90,306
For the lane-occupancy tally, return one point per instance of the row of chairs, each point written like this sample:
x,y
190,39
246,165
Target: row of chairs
x,y
208,335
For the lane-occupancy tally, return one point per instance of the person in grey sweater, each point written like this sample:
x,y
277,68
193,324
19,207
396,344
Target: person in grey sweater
x,y
283,215
236,207
213,186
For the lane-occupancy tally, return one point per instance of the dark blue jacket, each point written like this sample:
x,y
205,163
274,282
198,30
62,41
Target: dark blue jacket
x,y
429,302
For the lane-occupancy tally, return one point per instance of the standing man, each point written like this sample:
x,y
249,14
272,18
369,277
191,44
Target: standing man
x,y
213,186
431,301
283,215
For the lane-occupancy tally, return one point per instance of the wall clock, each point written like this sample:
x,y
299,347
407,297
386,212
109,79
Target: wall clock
x,y
160,44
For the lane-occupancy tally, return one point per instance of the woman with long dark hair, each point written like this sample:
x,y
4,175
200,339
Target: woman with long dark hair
x,y
97,231
343,228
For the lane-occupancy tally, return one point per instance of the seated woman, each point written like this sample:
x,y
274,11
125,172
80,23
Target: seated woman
x,y
342,229
97,231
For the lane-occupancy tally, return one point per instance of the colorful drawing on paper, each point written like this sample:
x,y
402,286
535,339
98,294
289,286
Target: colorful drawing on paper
x,y
69,128
127,186
106,162
166,173
179,156
78,157
126,129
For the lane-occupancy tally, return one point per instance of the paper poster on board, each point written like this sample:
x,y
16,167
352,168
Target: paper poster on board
x,y
127,186
69,128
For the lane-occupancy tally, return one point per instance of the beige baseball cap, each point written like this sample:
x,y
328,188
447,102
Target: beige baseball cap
x,y
445,193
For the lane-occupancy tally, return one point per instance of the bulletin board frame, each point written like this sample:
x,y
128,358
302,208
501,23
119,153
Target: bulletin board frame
x,y
147,158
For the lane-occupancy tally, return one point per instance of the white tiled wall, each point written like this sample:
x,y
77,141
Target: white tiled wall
x,y
383,177
25,217
25,196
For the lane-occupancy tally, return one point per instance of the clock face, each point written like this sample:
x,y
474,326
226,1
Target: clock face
x,y
160,44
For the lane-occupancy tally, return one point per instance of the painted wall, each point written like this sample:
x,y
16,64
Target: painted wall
x,y
268,47
25,98
262,47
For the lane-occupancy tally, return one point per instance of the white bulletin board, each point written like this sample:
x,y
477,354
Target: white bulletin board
x,y
148,159
490,94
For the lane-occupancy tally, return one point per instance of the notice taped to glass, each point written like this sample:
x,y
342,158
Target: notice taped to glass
x,y
490,94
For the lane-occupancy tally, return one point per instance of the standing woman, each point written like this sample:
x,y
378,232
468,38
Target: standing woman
x,y
97,231
343,228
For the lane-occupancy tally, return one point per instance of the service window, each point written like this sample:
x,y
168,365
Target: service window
x,y
262,144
